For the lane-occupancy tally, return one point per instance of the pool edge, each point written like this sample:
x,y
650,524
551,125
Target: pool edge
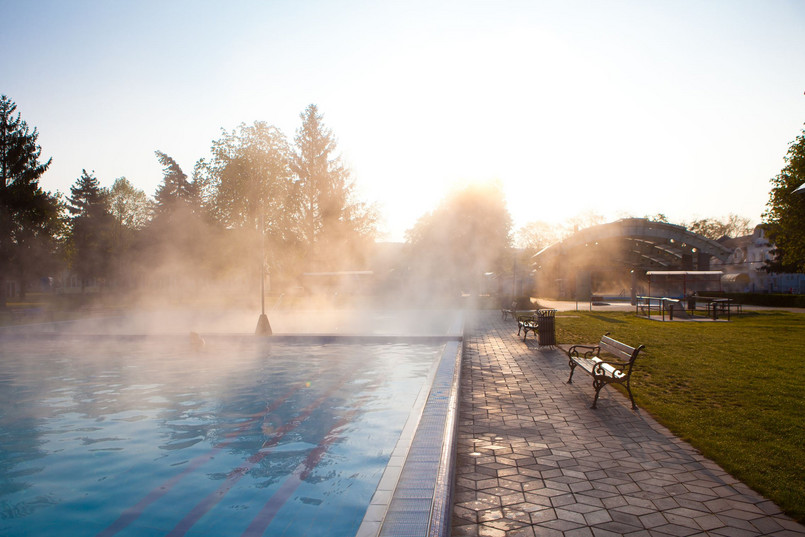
x,y
420,502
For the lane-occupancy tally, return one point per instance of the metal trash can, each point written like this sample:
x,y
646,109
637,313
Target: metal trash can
x,y
546,328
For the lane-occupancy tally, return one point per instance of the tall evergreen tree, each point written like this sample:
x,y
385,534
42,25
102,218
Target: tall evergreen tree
x,y
332,222
176,243
91,229
29,216
176,196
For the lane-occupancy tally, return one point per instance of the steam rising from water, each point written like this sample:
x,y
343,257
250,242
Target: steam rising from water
x,y
241,322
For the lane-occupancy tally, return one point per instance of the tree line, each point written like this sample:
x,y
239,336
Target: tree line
x,y
262,200
257,193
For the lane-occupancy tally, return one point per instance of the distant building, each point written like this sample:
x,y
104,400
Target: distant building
x,y
744,270
614,260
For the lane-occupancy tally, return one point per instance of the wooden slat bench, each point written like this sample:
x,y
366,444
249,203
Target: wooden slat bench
x,y
614,366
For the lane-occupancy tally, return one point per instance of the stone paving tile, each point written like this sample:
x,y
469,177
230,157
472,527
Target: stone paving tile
x,y
534,460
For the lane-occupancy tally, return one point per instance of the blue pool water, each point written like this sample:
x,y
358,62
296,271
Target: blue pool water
x,y
135,437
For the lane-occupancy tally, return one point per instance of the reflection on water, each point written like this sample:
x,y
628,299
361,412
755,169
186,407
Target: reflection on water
x,y
132,438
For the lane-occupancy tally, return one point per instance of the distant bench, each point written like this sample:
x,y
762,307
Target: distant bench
x,y
614,366
510,311
541,323
714,306
526,323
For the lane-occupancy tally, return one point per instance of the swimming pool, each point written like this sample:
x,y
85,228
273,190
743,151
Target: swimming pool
x,y
250,436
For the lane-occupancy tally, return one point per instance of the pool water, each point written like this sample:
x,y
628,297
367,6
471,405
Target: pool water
x,y
104,436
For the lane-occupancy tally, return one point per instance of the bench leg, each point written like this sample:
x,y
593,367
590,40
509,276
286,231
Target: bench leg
x,y
629,391
572,368
597,384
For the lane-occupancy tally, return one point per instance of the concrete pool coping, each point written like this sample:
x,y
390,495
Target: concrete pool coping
x,y
414,496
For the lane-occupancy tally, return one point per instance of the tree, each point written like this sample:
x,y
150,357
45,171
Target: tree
x,y
176,196
583,221
131,210
130,206
90,239
466,236
785,214
534,236
659,217
716,228
247,187
332,222
29,216
249,179
176,239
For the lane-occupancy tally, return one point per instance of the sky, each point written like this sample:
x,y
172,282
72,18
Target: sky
x,y
616,108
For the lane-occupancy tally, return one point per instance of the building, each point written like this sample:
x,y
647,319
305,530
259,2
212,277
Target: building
x,y
744,269
613,260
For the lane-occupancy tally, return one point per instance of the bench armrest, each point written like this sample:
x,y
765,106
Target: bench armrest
x,y
586,350
615,368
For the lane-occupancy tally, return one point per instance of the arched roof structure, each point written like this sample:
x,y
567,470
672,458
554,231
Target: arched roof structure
x,y
638,243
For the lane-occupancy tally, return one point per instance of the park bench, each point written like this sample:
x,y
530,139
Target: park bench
x,y
526,323
541,323
608,362
512,311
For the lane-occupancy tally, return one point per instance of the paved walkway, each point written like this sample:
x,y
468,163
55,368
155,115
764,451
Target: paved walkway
x,y
534,459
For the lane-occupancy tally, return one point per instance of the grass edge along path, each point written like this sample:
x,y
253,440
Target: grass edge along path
x,y
733,390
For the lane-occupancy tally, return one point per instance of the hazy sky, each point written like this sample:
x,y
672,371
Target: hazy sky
x,y
623,108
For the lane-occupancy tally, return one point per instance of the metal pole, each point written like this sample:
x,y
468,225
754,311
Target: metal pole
x,y
263,326
263,285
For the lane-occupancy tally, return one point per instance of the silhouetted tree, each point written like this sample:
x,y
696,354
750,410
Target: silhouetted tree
x,y
91,229
176,197
716,228
29,216
466,236
785,214
175,242
333,224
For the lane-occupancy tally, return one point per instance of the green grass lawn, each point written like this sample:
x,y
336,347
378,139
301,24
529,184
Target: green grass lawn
x,y
734,390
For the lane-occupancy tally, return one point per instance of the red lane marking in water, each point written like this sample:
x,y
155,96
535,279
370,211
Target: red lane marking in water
x,y
209,501
263,519
132,513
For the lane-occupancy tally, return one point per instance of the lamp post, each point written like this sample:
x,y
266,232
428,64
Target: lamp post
x,y
263,326
514,278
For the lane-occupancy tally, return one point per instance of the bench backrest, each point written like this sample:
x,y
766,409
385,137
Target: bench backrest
x,y
621,351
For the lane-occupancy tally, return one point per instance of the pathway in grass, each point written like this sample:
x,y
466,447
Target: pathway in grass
x,y
534,459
